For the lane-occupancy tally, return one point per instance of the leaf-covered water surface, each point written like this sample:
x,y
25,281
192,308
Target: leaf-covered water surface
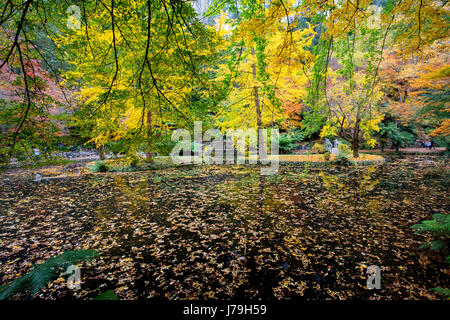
x,y
227,232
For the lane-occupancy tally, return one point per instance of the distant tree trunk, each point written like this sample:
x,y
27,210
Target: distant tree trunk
x,y
355,148
383,142
261,145
149,153
101,152
355,138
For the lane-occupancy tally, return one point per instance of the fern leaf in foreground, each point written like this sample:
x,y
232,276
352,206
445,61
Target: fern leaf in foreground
x,y
43,273
445,292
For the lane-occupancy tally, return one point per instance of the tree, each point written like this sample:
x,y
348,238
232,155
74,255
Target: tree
x,y
32,117
137,80
180,35
411,25
416,88
345,88
268,57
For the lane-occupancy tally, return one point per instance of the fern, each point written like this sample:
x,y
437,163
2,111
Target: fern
x,y
445,292
107,295
396,135
439,226
289,141
43,273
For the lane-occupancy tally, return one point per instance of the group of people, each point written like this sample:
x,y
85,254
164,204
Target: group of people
x,y
428,144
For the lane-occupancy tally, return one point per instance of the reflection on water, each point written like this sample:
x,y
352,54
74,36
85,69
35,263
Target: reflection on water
x,y
223,232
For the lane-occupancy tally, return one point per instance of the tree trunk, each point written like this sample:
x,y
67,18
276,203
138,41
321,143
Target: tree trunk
x,y
355,150
261,145
355,146
355,138
101,152
149,153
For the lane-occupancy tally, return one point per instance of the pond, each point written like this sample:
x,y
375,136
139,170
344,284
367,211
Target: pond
x,y
223,232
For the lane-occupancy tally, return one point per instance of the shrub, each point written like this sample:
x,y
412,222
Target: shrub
x,y
116,147
443,141
318,148
345,149
344,159
396,135
99,166
132,162
326,156
289,141
163,145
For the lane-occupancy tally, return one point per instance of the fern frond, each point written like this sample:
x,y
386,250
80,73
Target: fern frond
x,y
43,273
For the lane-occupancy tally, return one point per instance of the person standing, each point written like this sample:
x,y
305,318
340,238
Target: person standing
x,y
37,153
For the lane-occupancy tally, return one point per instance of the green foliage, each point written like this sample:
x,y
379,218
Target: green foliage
x,y
344,156
163,145
117,147
289,141
43,273
99,166
344,149
318,148
107,295
390,132
344,159
326,156
439,227
443,141
18,137
436,108
445,292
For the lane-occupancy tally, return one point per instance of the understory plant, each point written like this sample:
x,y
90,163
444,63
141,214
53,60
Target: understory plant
x,y
392,133
42,274
439,227
318,148
344,156
289,141
99,166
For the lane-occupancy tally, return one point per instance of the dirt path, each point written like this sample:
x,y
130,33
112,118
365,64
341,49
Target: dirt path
x,y
408,150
